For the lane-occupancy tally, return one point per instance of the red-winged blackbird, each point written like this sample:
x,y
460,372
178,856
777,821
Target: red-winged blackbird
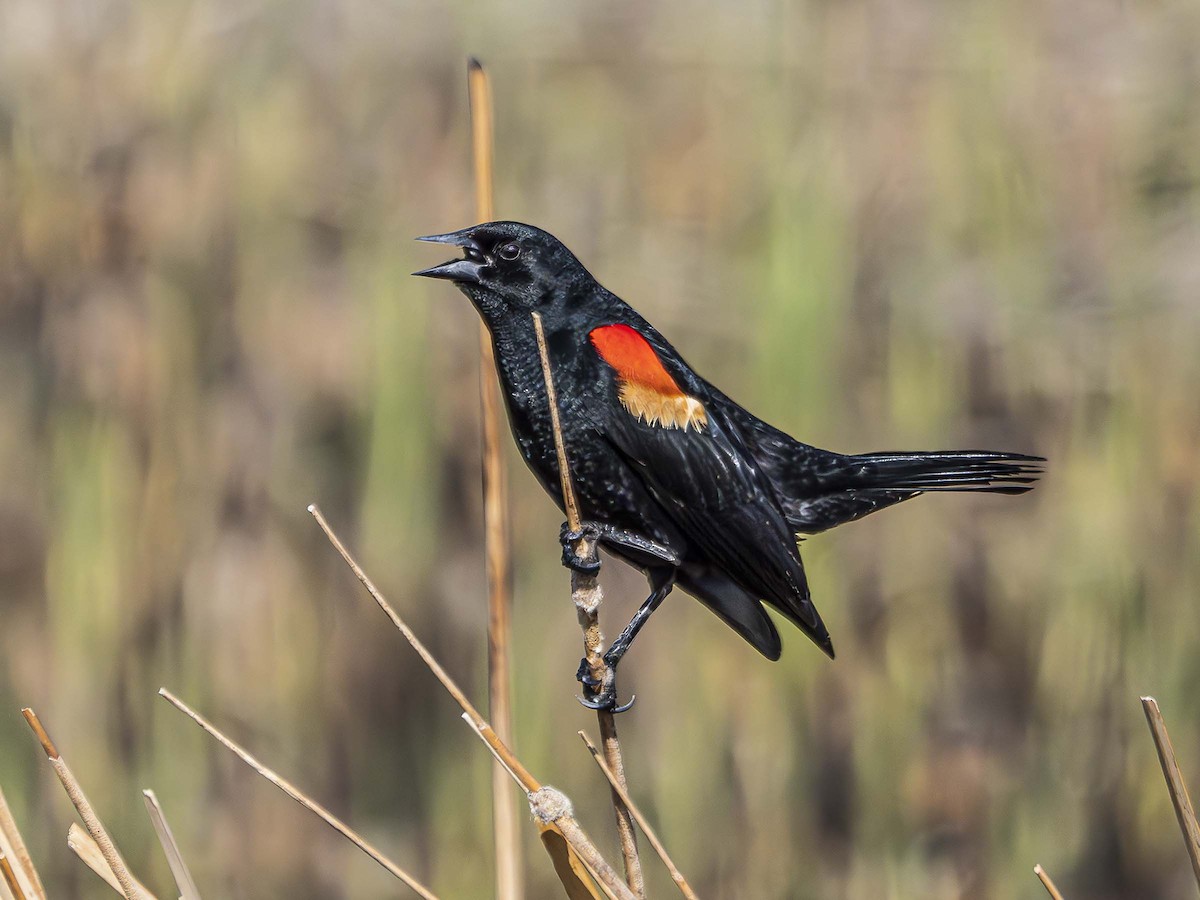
x,y
677,479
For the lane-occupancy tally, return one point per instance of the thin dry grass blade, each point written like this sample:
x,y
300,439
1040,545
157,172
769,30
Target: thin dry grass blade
x,y
13,846
88,851
651,836
9,877
1047,882
1184,811
621,810
130,886
566,823
299,796
495,520
588,597
520,772
179,870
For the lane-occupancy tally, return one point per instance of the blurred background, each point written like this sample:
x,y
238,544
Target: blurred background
x,y
880,224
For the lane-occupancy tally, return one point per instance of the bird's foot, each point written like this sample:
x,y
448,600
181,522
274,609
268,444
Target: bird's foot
x,y
601,694
584,676
587,563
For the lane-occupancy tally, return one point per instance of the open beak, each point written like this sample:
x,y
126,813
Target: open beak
x,y
458,270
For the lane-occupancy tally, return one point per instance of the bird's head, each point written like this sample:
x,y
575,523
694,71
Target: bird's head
x,y
508,269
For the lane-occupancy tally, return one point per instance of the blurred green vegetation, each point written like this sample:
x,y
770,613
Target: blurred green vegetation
x,y
879,224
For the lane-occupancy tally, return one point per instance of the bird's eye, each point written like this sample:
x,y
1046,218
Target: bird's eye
x,y
509,251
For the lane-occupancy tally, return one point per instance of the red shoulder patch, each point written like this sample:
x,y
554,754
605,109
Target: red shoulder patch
x,y
647,389
633,358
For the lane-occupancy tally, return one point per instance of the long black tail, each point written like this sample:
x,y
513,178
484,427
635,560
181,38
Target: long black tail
x,y
850,487
954,470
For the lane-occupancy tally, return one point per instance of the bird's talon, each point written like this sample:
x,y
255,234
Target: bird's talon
x,y
606,701
606,697
569,538
584,565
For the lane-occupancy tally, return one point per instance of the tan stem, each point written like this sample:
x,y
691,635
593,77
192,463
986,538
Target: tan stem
x,y
1184,811
166,838
1047,882
495,519
588,597
299,796
619,788
578,840
13,846
129,885
9,878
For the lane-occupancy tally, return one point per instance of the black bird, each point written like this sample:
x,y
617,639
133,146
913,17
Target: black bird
x,y
674,477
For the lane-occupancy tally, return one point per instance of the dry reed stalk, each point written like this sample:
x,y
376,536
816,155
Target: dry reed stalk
x,y
495,519
1184,811
588,597
11,885
88,851
299,796
129,885
1047,882
13,846
566,825
179,869
651,835
551,808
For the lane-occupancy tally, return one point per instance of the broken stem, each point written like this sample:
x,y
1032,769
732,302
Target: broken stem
x,y
129,885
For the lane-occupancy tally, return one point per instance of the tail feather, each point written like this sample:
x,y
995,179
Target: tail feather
x,y
850,487
968,470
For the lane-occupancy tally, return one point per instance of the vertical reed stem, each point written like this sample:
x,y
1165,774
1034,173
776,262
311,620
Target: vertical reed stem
x,y
495,517
587,596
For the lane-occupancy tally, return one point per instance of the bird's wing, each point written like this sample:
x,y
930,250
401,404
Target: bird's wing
x,y
695,464
809,481
738,609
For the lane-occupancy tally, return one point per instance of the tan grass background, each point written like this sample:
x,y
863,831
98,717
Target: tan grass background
x,y
879,223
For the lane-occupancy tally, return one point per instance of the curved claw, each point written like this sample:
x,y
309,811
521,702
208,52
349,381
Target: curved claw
x,y
607,702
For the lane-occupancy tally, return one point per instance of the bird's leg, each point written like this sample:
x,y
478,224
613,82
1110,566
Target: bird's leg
x,y
621,645
581,555
606,696
596,531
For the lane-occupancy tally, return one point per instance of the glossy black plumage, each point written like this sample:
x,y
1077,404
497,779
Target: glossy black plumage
x,y
714,508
